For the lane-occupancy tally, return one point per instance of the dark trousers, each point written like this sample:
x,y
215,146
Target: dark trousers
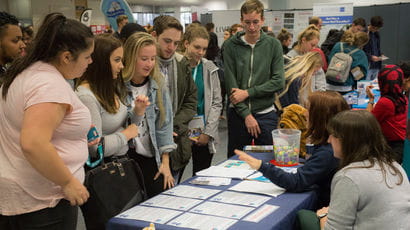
x,y
61,217
149,169
238,135
201,158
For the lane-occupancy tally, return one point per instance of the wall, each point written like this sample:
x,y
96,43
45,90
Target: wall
x,y
4,5
44,7
97,17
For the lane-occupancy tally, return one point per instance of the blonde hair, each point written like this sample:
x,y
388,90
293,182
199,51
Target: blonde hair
x,y
132,47
358,39
192,32
310,33
302,66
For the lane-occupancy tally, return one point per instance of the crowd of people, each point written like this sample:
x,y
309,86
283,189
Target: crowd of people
x,y
141,88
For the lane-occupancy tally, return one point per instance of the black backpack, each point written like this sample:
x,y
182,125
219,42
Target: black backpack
x,y
334,36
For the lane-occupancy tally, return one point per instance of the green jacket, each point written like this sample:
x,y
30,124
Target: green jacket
x,y
186,109
258,70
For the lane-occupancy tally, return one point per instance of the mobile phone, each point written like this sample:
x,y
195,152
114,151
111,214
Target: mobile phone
x,y
92,134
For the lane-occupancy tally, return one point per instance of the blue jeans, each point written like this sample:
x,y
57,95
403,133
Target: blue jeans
x,y
372,74
62,217
238,135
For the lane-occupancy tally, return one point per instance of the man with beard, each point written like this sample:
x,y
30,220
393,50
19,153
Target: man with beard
x,y
182,89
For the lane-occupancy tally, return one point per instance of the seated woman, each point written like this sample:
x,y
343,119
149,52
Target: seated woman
x,y
350,41
300,79
318,170
205,75
391,109
371,191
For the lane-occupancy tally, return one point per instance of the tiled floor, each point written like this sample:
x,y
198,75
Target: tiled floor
x,y
218,157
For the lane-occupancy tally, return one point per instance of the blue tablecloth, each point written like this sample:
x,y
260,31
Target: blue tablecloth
x,y
353,99
282,218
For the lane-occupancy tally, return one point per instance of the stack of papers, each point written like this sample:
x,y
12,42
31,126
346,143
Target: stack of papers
x,y
220,171
191,192
172,202
223,210
251,186
213,181
235,164
149,214
240,198
196,221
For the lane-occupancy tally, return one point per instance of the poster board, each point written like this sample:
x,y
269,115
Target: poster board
x,y
333,15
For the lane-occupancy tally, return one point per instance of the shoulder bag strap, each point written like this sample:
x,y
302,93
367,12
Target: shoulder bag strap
x,y
100,154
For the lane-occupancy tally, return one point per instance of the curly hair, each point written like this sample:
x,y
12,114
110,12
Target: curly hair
x,y
6,19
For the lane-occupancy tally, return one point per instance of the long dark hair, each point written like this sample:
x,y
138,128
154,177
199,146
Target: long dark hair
x,y
99,74
322,107
362,139
56,34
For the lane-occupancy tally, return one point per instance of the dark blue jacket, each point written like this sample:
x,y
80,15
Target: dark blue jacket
x,y
372,48
316,174
292,95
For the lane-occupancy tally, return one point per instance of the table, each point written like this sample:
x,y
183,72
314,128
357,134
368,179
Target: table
x,y
282,218
353,99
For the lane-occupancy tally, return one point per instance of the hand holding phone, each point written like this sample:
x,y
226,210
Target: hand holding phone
x,y
92,134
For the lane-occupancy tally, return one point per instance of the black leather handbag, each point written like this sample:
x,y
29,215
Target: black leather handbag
x,y
115,185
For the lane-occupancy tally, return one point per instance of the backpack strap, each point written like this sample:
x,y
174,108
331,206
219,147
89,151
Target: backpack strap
x,y
353,51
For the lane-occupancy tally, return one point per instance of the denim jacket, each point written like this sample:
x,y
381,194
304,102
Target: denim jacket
x,y
161,136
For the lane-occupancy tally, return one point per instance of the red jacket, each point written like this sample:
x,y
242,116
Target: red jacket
x,y
393,125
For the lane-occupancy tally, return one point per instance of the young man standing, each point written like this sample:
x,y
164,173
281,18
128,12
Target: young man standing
x,y
253,73
182,89
122,20
11,40
316,21
372,48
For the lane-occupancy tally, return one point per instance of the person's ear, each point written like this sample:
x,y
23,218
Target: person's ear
x,y
186,44
65,57
154,34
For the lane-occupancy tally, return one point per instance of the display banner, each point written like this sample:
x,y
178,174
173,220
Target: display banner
x,y
114,8
224,19
85,17
333,15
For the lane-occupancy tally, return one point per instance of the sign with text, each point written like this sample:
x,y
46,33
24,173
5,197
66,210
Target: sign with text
x,y
333,15
114,8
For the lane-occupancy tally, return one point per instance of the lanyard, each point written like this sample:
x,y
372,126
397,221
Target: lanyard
x,y
195,72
